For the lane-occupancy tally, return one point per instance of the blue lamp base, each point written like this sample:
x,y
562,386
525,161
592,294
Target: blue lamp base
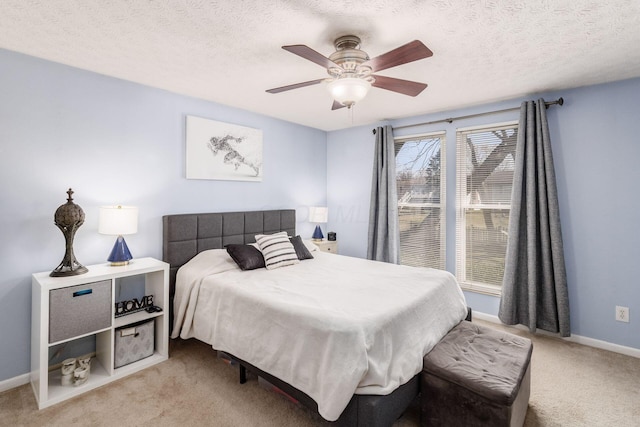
x,y
317,233
120,254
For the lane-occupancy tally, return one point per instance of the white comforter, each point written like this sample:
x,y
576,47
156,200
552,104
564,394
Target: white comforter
x,y
330,326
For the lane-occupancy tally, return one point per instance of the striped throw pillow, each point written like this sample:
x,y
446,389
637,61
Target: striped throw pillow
x,y
277,250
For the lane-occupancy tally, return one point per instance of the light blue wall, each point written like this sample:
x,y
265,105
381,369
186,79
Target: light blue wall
x,y
597,152
119,142
116,142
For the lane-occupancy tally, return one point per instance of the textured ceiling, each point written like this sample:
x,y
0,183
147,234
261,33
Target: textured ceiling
x,y
229,51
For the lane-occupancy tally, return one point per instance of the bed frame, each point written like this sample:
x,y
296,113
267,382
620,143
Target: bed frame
x,y
185,235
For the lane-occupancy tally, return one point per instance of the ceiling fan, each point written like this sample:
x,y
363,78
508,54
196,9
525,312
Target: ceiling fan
x,y
351,70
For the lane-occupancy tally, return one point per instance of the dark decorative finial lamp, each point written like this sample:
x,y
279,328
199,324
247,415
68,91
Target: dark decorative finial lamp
x,y
319,215
118,221
68,218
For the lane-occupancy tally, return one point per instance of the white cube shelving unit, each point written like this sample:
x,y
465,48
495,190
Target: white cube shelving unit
x,y
46,381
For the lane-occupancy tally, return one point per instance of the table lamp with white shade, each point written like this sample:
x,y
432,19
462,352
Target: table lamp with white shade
x,y
318,215
118,221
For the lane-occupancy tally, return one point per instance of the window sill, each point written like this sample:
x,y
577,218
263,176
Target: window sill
x,y
482,288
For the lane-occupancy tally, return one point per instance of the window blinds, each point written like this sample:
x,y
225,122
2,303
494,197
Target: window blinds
x,y
485,162
420,165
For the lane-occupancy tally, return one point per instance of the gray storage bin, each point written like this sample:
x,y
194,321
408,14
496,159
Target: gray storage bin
x,y
79,310
134,342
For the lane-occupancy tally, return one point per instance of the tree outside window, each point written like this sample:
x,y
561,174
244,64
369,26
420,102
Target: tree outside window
x,y
421,194
485,162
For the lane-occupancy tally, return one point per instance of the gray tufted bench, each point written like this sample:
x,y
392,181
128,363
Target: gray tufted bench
x,y
476,376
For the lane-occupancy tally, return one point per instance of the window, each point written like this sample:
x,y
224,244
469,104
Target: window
x,y
420,181
485,162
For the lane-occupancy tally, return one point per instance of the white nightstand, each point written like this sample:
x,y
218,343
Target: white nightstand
x,y
327,246
66,309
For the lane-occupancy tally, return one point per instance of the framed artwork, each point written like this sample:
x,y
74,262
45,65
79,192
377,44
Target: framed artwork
x,y
217,150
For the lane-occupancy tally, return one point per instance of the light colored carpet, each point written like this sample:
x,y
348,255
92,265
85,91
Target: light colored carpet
x,y
572,385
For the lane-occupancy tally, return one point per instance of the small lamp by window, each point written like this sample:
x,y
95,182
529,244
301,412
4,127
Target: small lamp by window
x,y
319,215
118,221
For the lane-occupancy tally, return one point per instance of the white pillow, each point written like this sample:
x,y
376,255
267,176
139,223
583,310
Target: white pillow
x,y
277,250
310,245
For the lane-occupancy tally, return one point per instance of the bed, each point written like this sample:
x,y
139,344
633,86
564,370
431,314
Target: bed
x,y
335,340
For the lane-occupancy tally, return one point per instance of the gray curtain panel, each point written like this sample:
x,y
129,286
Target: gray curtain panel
x,y
384,235
534,289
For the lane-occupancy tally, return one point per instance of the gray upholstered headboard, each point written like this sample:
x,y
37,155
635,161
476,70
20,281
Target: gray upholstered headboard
x,y
185,235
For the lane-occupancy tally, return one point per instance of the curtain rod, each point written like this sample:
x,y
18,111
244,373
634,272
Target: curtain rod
x,y
558,101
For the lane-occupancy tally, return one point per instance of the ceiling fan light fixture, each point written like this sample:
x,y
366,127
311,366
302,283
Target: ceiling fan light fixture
x,y
351,70
348,90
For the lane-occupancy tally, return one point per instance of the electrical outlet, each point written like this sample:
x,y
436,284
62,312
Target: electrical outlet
x,y
622,314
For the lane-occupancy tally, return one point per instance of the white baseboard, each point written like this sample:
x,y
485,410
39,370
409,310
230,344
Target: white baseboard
x,y
14,382
628,351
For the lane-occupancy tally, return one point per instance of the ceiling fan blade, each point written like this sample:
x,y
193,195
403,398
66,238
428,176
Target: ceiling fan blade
x,y
409,52
307,53
336,106
405,87
295,86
